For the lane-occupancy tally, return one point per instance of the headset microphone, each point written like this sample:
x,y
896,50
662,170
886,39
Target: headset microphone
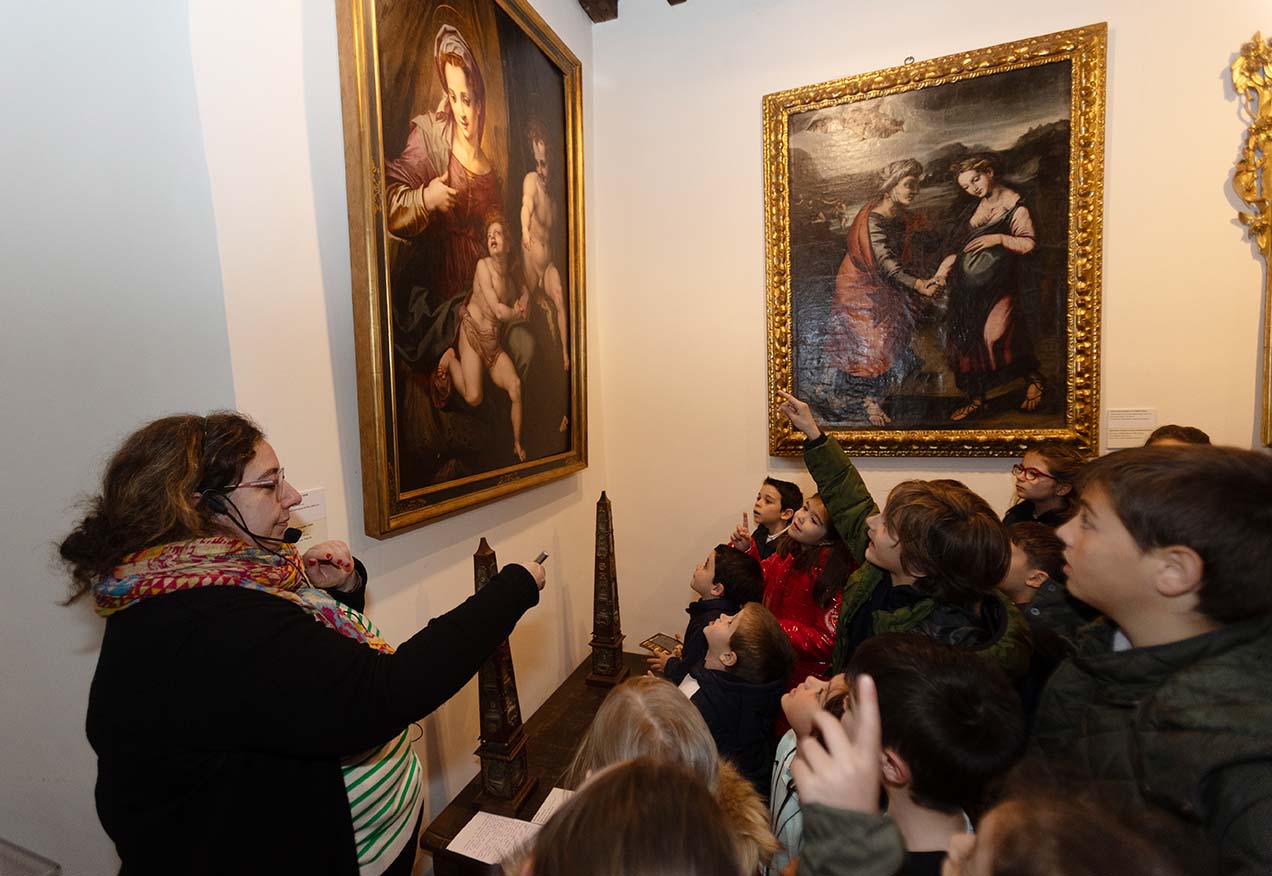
x,y
291,535
218,501
222,503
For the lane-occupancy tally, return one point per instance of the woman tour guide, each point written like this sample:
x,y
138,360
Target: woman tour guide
x,y
246,717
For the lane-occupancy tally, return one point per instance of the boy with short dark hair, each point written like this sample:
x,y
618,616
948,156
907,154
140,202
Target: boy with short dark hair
x,y
1035,582
951,725
738,687
725,581
1170,699
1173,434
775,507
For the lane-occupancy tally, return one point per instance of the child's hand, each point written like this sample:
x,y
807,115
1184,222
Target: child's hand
x,y
843,773
799,414
658,662
741,538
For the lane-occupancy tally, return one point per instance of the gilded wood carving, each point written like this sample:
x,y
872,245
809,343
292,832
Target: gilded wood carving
x,y
934,248
1252,78
464,165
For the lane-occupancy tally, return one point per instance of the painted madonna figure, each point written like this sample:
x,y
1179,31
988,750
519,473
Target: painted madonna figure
x,y
439,193
443,185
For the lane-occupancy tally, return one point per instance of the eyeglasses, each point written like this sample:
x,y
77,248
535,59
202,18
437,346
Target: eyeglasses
x,y
273,482
1031,474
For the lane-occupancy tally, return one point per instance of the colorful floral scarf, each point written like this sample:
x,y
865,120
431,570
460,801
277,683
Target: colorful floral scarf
x,y
227,562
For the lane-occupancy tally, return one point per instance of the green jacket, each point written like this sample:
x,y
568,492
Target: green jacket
x,y
1187,726
838,842
849,504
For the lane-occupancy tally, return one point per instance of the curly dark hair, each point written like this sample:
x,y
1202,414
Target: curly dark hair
x,y
149,491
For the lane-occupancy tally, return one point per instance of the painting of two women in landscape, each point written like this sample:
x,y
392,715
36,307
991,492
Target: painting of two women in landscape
x,y
481,305
929,254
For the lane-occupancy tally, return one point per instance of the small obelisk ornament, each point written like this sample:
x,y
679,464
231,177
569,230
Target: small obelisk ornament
x,y
505,779
607,629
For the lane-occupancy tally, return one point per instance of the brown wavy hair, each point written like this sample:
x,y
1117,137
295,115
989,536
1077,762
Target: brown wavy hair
x,y
1041,833
639,818
950,539
148,491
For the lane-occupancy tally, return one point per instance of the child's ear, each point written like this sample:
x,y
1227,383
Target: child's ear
x,y
1063,489
893,769
1036,579
728,658
716,589
1179,570
788,514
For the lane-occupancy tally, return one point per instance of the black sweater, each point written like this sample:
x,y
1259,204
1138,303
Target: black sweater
x,y
740,716
219,717
701,612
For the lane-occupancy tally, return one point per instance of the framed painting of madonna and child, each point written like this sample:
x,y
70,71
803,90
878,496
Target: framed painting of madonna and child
x,y
933,250
463,159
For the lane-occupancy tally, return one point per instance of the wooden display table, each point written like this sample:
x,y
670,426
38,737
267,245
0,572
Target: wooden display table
x,y
553,733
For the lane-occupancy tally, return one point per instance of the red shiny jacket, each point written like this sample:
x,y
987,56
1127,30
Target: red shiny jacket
x,y
788,593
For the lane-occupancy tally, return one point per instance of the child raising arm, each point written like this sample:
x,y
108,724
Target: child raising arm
x,y
930,562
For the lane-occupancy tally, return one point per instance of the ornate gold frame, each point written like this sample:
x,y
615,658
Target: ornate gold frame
x,y
1085,48
1252,78
387,509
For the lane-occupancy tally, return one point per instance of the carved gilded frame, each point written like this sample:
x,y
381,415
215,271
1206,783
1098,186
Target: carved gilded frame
x,y
1252,79
391,504
1076,420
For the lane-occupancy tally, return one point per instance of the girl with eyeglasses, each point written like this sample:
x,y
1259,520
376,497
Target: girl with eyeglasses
x,y
1045,484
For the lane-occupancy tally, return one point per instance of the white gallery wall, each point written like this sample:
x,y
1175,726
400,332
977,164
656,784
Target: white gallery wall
x,y
268,83
112,315
678,206
176,239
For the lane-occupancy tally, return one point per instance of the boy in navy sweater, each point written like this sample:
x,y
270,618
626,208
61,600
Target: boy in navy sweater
x,y
725,581
738,688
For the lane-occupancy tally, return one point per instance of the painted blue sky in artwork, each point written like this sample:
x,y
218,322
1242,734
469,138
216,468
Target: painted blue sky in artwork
x,y
988,112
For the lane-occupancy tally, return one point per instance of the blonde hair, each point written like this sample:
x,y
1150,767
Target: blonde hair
x,y
649,717
646,717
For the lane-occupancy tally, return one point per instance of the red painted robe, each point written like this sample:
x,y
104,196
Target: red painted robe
x,y
871,320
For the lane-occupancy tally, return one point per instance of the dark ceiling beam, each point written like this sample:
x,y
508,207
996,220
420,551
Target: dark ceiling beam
x,y
600,10
607,10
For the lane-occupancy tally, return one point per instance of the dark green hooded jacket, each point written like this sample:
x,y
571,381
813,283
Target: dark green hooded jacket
x,y
997,630
1186,726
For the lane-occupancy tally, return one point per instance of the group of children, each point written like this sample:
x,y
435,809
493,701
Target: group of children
x,y
1081,687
